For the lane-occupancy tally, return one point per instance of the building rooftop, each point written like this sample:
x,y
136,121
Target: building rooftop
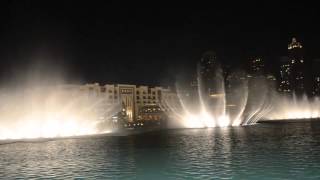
x,y
294,44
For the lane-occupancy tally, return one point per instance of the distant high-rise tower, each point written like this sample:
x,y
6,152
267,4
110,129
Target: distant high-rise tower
x,y
256,66
208,67
316,77
285,75
297,77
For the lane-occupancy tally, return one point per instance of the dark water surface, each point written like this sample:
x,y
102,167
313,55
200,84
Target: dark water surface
x,y
264,151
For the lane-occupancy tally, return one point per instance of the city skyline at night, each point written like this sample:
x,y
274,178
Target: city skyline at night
x,y
159,90
104,42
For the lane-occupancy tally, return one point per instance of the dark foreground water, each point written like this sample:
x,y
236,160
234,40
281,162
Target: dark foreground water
x,y
265,151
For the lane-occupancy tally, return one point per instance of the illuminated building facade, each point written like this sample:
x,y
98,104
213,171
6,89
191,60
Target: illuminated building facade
x,y
285,75
316,85
131,98
316,77
258,75
292,70
297,77
151,113
257,66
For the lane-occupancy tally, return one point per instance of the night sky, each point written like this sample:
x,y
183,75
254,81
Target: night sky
x,y
148,43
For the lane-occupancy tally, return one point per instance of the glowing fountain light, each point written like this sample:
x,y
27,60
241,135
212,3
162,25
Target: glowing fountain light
x,y
204,120
49,112
207,119
224,121
198,109
209,105
201,120
192,121
292,107
243,105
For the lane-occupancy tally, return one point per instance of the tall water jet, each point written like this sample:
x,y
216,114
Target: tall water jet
x,y
40,106
210,102
259,101
199,109
290,107
46,112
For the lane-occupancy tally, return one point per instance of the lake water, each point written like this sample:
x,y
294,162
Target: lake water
x,y
263,151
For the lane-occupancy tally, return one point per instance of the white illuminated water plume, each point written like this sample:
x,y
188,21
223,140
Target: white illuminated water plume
x,y
37,103
196,108
243,101
293,107
47,112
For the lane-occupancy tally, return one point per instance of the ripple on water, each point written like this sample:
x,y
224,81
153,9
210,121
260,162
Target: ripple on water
x,y
286,151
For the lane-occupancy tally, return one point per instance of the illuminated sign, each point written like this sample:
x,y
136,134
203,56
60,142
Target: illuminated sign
x,y
126,91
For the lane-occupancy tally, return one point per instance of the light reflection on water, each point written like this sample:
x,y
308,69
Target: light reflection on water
x,y
268,151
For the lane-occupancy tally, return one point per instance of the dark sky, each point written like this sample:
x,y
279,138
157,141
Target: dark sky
x,y
148,43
